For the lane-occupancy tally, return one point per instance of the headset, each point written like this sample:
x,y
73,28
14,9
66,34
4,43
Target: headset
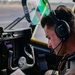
x,y
61,27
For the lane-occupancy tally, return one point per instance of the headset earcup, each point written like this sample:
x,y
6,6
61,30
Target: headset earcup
x,y
62,29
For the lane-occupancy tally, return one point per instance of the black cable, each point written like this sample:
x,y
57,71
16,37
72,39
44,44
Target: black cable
x,y
49,4
53,72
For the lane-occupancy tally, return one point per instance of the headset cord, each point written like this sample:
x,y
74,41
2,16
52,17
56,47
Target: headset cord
x,y
62,61
54,72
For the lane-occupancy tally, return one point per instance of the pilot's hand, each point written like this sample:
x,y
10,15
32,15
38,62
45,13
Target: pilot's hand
x,y
51,72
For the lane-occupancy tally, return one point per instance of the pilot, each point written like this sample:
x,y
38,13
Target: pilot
x,y
59,28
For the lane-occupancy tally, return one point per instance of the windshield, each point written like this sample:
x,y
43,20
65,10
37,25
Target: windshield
x,y
11,10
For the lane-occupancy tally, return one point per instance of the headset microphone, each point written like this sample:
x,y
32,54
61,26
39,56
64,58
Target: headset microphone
x,y
61,27
56,47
